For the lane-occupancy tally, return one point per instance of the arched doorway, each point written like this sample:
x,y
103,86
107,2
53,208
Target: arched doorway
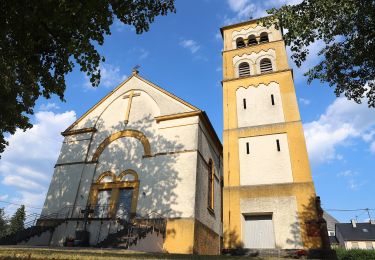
x,y
115,196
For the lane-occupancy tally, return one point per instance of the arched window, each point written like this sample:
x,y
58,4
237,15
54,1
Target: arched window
x,y
210,193
115,196
240,43
252,40
244,69
264,37
265,65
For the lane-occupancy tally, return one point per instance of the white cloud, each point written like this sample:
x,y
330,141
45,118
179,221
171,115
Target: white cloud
x,y
4,197
24,183
347,173
27,163
354,185
372,147
191,45
247,9
304,101
48,106
110,77
343,121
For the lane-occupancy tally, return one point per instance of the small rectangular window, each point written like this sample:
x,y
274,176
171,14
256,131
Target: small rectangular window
x,y
244,103
278,145
247,148
355,245
272,100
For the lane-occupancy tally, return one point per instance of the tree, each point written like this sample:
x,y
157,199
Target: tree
x,y
3,224
17,221
347,29
42,41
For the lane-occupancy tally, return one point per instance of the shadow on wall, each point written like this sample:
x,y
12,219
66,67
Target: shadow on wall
x,y
314,228
157,174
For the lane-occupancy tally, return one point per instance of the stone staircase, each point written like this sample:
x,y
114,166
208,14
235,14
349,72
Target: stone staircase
x,y
26,234
133,233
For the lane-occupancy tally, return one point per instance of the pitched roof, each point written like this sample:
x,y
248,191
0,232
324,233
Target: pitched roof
x,y
362,232
331,221
120,85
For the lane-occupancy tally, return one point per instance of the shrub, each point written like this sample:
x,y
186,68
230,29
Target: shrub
x,y
355,254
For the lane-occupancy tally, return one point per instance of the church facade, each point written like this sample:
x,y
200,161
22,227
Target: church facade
x,y
145,170
140,154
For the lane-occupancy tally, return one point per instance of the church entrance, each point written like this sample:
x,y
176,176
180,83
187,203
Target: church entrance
x,y
103,203
115,196
258,231
124,204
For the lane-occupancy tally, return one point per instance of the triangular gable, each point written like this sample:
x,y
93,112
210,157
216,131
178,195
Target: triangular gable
x,y
162,91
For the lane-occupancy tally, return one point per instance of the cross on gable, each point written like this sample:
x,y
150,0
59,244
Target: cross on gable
x,y
130,97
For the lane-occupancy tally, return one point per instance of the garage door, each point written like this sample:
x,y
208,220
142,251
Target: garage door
x,y
258,231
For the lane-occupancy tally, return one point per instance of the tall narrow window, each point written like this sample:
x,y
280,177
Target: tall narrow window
x,y
278,145
264,37
240,43
272,100
252,40
244,69
247,148
244,103
265,65
210,200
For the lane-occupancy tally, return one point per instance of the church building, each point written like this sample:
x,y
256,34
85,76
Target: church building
x,y
145,170
145,157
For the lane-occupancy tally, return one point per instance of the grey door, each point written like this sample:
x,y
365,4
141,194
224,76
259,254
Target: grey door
x,y
258,231
124,204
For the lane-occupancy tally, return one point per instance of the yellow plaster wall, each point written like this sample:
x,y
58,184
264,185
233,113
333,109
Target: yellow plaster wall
x,y
302,187
304,192
179,236
206,242
278,47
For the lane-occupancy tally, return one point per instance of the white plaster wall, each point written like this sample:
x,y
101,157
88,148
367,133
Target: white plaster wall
x,y
63,189
99,230
166,181
208,151
264,164
73,151
166,104
284,217
151,243
259,109
38,240
273,34
361,244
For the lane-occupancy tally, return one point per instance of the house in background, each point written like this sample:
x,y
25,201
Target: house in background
x,y
356,235
331,228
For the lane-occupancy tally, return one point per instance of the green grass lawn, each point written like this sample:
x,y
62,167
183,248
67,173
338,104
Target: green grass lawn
x,y
90,253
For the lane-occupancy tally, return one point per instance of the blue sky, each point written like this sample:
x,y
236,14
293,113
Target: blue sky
x,y
182,53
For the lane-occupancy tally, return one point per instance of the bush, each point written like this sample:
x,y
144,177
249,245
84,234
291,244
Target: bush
x,y
355,254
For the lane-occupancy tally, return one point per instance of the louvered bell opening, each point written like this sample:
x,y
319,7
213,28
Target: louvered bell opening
x,y
265,66
240,43
252,40
244,69
263,38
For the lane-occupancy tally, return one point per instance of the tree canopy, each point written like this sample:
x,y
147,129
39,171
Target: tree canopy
x,y
347,30
17,221
41,41
3,223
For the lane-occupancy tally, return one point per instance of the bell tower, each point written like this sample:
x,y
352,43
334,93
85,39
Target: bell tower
x,y
269,196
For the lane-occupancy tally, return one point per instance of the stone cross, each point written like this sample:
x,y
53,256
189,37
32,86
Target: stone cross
x,y
130,96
